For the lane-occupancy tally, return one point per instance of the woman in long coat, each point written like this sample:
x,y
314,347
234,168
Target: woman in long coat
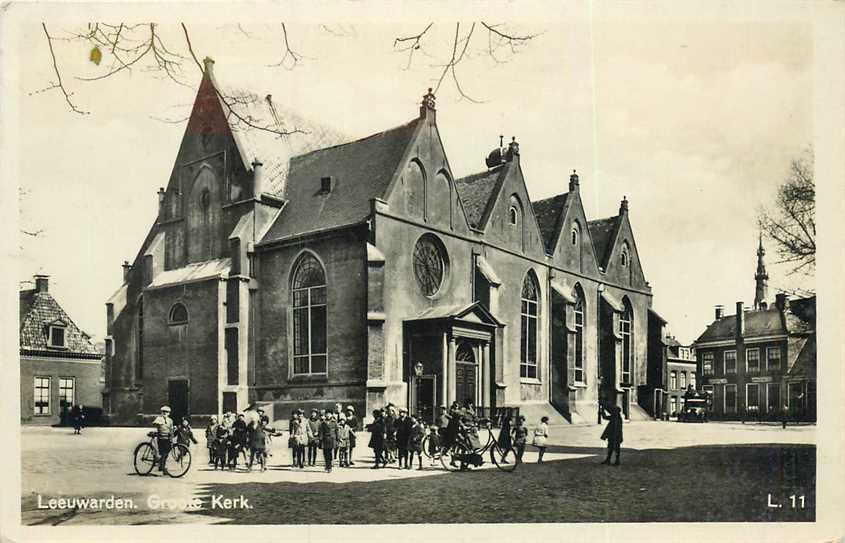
x,y
376,429
613,433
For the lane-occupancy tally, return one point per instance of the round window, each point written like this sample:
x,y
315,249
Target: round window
x,y
430,263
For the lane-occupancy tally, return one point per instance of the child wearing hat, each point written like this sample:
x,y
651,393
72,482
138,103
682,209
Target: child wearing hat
x,y
210,434
352,424
417,431
313,431
342,443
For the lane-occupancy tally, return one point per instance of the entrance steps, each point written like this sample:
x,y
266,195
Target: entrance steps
x,y
533,412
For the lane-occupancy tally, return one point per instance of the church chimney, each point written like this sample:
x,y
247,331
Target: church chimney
x,y
161,203
126,268
573,182
512,154
257,178
740,320
42,283
720,311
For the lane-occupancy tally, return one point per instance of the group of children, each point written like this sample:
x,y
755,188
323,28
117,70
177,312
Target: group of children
x,y
332,430
396,436
233,437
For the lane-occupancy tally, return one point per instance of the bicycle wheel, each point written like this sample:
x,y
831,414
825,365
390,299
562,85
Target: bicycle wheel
x,y
144,458
503,458
426,448
450,457
178,461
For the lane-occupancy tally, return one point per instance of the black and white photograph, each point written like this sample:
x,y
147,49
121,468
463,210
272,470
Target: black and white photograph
x,y
423,271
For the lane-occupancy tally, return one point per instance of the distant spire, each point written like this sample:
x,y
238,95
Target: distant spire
x,y
761,278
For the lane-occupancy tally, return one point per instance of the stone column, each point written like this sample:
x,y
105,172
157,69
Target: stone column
x,y
452,390
485,372
444,372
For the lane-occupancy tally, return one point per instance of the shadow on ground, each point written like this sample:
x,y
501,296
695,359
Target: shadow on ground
x,y
733,483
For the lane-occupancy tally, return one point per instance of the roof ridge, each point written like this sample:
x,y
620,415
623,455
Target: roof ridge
x,y
478,175
359,140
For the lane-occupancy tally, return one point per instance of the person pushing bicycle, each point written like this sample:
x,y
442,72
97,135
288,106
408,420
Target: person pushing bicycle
x,y
164,435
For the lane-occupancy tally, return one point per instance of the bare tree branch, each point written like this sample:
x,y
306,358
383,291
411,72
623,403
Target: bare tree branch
x,y
413,44
291,58
59,84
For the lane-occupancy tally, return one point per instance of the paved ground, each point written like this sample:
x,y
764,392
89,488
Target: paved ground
x,y
670,472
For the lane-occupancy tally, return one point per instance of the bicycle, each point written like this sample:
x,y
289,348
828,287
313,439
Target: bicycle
x,y
146,457
465,453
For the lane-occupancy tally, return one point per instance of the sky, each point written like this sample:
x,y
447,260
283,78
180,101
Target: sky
x,y
694,119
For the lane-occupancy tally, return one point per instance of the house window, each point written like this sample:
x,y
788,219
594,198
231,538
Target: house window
x,y
673,406
178,314
773,358
42,396
57,336
528,345
579,337
66,392
309,317
692,379
752,360
730,398
752,397
730,361
627,350
683,380
673,380
707,363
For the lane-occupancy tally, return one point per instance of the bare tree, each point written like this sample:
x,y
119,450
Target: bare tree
x,y
123,47
791,223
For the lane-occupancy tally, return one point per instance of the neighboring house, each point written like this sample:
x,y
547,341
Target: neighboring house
x,y
60,366
671,371
761,361
367,273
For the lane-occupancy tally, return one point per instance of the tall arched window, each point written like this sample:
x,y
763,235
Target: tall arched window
x,y
625,256
516,224
309,317
529,312
579,334
414,180
626,326
573,235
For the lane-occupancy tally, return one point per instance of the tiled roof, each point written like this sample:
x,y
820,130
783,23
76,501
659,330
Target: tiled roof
x,y
757,323
804,363
38,310
601,232
360,170
549,214
477,193
273,150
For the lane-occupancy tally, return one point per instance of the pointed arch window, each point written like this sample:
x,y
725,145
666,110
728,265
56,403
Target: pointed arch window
x,y
573,235
309,317
626,329
579,335
529,313
625,256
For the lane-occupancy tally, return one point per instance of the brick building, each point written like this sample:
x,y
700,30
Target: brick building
x,y
59,365
759,359
671,371
366,272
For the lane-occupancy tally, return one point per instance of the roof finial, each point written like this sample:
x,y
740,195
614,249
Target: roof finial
x,y
623,207
208,63
574,182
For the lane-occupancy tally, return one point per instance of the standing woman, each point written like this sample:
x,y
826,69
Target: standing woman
x,y
312,429
541,436
504,440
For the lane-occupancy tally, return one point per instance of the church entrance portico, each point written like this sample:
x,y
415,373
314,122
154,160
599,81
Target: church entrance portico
x,y
448,357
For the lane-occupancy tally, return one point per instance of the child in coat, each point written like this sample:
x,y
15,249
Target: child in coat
x,y
541,436
520,436
221,446
415,437
210,435
343,434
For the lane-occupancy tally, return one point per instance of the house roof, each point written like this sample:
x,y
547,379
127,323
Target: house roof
x,y
549,213
478,193
804,362
757,323
37,311
360,170
602,232
765,322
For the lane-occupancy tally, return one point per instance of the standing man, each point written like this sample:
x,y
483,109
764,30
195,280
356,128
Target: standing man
x,y
164,434
784,414
613,433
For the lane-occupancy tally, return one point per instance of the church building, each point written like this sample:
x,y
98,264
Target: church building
x,y
304,271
